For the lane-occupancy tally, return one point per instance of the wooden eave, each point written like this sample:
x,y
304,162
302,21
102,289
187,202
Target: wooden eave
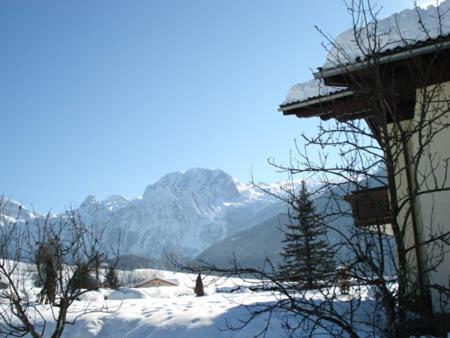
x,y
346,106
342,106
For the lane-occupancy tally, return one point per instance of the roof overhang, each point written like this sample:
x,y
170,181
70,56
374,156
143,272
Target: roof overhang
x,y
289,109
393,56
342,106
350,104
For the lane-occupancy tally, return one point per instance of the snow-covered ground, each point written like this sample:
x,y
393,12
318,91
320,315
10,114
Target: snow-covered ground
x,y
165,312
170,311
175,311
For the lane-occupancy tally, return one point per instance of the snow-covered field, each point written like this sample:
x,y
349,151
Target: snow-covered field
x,y
170,311
160,312
173,311
165,312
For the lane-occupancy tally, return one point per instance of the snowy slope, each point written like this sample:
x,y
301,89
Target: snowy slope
x,y
252,246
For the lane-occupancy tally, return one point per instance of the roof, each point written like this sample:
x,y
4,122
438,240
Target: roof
x,y
400,35
343,106
319,101
396,54
396,32
327,94
309,90
169,281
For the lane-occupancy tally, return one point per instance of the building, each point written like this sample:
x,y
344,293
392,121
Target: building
x,y
158,282
399,83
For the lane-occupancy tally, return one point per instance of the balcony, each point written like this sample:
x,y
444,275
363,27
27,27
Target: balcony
x,y
370,206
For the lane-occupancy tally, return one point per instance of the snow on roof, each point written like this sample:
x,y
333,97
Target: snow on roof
x,y
308,90
399,30
169,281
402,29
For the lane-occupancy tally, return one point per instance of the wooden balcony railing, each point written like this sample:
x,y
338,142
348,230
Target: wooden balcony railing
x,y
370,206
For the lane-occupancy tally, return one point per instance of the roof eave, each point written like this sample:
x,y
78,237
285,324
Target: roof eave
x,y
410,52
319,100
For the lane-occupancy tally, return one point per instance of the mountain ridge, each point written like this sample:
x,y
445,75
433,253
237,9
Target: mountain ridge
x,y
182,213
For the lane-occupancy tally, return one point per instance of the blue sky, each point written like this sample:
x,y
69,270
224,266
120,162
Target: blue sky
x,y
102,97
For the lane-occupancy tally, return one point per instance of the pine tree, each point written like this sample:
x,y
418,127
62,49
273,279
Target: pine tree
x,y
111,278
82,278
307,257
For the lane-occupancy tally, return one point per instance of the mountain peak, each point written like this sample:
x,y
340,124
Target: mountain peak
x,y
192,173
89,200
114,202
216,186
115,198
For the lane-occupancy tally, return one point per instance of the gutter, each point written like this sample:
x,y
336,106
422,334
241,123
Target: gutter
x,y
321,74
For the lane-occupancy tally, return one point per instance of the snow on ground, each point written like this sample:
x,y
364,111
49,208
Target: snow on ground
x,y
171,311
145,314
175,311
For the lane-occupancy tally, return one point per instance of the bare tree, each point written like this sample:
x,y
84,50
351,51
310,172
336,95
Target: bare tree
x,y
63,251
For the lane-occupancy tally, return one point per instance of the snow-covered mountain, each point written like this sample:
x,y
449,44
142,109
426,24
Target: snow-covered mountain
x,y
183,213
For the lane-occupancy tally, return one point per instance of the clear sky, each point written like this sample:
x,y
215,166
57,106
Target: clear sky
x,y
104,96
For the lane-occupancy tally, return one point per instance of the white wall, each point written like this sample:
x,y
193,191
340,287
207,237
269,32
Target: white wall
x,y
431,209
434,208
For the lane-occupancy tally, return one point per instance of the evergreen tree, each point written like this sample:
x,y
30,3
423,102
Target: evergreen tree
x,y
111,278
82,278
307,257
